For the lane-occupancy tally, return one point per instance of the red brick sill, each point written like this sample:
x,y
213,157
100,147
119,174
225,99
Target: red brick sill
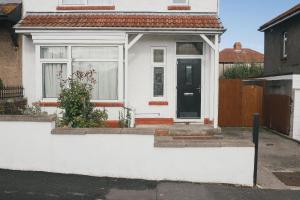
x,y
154,121
174,7
158,103
97,104
85,8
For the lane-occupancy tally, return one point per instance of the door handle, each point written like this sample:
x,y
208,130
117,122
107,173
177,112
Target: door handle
x,y
188,94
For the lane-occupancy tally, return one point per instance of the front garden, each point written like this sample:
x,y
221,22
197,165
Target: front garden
x,y
74,101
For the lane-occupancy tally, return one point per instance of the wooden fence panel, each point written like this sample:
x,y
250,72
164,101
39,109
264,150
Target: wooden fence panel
x,y
238,103
277,112
252,101
230,105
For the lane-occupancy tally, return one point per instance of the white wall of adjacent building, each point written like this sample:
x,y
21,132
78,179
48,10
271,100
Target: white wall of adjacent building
x,y
30,146
207,6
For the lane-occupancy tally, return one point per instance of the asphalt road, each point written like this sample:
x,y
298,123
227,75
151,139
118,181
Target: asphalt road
x,y
15,185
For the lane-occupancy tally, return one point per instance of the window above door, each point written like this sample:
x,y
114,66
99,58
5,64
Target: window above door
x,y
180,2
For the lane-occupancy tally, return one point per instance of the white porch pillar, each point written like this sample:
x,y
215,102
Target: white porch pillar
x,y
126,71
216,80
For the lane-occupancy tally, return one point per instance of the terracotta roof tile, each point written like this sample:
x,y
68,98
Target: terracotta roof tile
x,y
288,13
240,55
120,20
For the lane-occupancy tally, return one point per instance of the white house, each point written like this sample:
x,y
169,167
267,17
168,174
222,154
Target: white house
x,y
158,57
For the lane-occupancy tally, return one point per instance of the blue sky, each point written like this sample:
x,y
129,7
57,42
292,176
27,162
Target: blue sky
x,y
242,18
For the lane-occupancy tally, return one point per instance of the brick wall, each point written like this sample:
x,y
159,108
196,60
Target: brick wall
x,y
10,59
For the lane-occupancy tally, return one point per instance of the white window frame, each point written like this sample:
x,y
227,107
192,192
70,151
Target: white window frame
x,y
284,47
40,61
185,3
85,3
164,66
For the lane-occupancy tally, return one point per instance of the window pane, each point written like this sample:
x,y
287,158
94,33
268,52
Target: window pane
x,y
100,2
188,75
285,39
190,48
158,81
106,87
180,1
95,52
73,2
51,81
53,52
158,55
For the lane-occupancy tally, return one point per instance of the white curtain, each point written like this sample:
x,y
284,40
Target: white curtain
x,y
73,2
53,52
108,53
106,87
100,2
51,81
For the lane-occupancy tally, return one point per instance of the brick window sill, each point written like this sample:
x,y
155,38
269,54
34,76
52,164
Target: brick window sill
x,y
158,103
96,104
85,8
174,7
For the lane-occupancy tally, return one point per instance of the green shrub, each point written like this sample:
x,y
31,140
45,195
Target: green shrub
x,y
12,106
75,101
35,110
242,71
125,118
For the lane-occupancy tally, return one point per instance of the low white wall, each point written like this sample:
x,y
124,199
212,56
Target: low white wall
x,y
30,146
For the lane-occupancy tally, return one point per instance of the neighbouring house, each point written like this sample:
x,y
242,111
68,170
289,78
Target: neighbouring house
x,y
157,58
237,55
282,72
10,43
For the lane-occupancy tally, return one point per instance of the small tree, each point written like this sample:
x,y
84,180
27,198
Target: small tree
x,y
75,101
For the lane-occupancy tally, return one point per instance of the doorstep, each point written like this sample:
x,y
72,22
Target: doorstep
x,y
201,137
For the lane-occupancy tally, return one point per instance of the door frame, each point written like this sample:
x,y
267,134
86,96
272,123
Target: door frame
x,y
192,120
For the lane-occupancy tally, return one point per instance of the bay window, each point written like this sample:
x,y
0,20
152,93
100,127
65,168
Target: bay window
x,y
63,61
159,65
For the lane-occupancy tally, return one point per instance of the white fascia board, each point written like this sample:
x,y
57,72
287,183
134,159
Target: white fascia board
x,y
276,78
29,30
294,77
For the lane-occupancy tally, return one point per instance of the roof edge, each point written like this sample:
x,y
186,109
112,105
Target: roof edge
x,y
281,18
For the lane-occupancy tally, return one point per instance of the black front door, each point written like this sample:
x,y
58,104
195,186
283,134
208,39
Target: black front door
x,y
189,88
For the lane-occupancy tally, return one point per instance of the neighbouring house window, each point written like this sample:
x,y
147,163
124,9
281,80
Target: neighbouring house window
x,y
284,46
104,60
189,48
180,2
87,2
159,65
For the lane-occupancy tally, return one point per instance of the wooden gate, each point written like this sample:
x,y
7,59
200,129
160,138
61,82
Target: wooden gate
x,y
277,112
238,103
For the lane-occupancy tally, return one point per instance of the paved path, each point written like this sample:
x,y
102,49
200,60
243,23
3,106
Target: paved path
x,y
16,185
276,154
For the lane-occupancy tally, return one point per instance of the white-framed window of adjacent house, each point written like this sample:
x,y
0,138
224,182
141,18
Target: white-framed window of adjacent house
x,y
87,2
180,2
158,60
284,45
62,61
